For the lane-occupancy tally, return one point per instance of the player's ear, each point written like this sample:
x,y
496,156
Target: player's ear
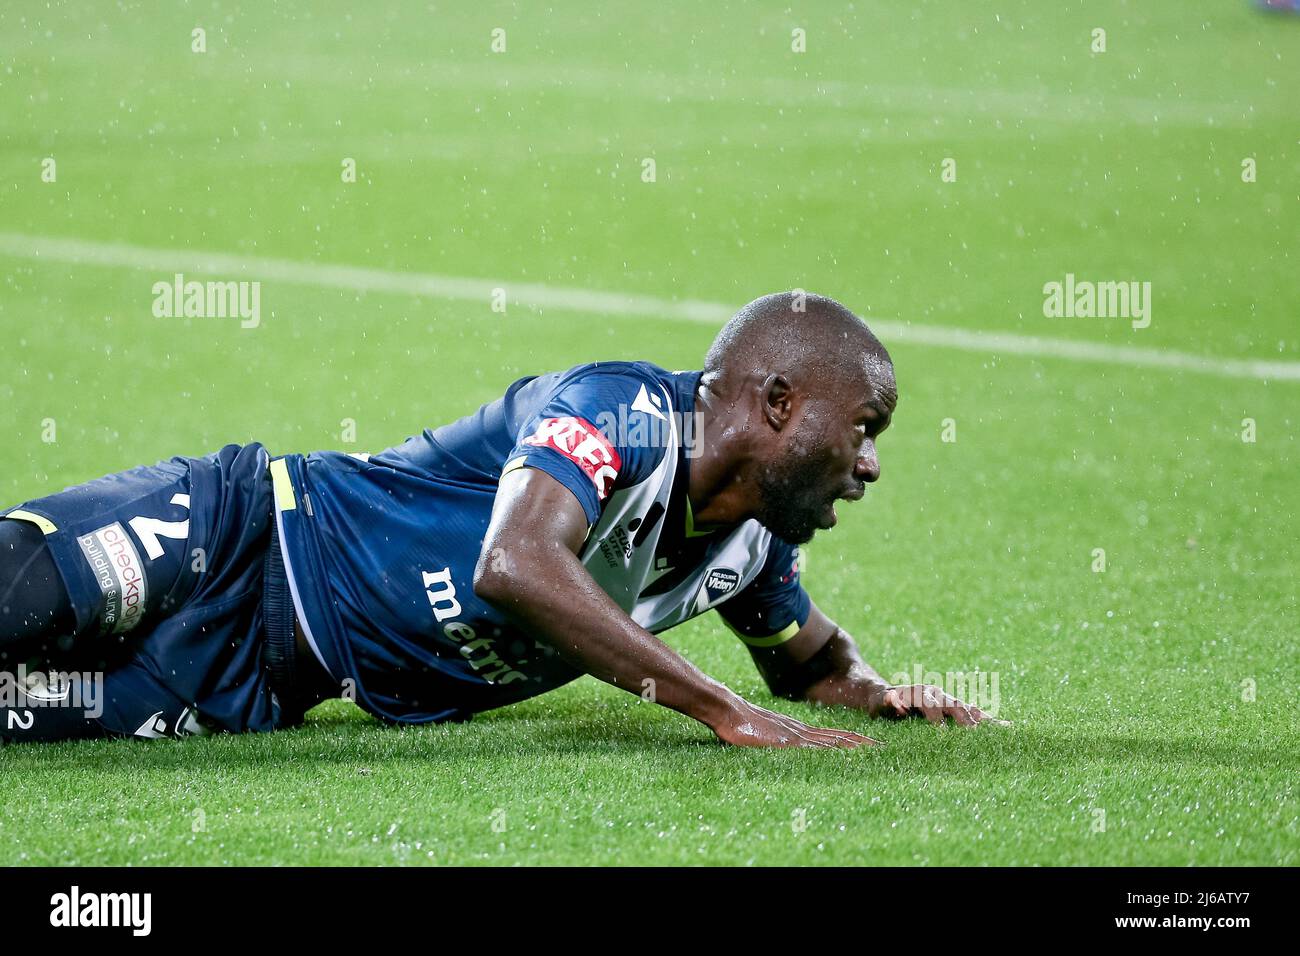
x,y
778,401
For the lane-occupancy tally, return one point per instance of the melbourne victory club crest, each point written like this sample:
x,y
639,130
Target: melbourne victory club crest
x,y
719,583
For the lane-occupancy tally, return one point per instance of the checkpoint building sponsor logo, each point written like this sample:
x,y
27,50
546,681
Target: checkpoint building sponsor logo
x,y
582,443
116,565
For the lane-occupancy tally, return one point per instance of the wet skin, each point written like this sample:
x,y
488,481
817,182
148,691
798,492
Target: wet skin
x,y
771,451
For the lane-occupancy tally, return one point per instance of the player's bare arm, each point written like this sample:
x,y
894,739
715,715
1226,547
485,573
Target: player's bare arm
x,y
553,533
529,567
821,664
768,411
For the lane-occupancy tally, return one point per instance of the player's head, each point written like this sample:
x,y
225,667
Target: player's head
x,y
815,388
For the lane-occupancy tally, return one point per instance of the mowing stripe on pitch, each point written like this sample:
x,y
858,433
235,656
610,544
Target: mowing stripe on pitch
x,y
536,295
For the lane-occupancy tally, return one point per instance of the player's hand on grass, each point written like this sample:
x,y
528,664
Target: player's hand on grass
x,y
751,726
930,702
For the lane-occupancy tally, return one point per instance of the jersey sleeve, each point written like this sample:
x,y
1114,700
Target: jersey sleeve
x,y
774,606
599,431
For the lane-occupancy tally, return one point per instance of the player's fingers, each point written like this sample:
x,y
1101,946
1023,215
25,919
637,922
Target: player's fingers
x,y
895,700
846,738
785,720
806,735
922,701
931,707
794,726
784,737
897,703
852,738
962,715
981,717
783,725
802,738
851,741
814,736
841,738
818,733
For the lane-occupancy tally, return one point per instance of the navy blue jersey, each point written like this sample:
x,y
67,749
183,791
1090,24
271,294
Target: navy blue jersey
x,y
163,569
380,550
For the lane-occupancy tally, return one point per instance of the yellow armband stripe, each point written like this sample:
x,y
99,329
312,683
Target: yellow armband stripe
x,y
780,637
284,499
45,524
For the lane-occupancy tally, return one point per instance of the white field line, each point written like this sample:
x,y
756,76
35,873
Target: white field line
x,y
165,262
441,76
434,78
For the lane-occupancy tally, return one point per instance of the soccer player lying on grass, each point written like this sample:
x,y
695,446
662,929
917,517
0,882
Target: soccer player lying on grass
x,y
550,534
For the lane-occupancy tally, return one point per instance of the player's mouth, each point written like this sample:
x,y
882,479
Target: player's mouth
x,y
829,517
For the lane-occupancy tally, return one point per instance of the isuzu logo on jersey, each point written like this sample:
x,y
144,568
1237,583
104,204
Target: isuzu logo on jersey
x,y
718,583
582,443
116,565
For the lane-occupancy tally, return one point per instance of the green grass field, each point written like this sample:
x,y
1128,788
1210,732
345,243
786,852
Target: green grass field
x,y
1131,689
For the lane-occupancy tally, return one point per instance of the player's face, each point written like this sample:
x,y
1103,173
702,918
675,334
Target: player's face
x,y
830,455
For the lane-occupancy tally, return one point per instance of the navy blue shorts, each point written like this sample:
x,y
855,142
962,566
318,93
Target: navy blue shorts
x,y
163,565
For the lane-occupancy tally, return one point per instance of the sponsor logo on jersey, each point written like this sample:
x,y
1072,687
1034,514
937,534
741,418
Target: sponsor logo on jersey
x,y
477,650
650,404
617,547
582,443
116,565
718,583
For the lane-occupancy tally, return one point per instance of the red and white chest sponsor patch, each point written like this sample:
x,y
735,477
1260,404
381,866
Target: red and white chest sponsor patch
x,y
582,443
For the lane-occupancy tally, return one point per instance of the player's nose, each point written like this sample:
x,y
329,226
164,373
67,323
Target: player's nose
x,y
867,465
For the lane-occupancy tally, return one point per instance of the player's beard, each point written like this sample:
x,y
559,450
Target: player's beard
x,y
793,504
